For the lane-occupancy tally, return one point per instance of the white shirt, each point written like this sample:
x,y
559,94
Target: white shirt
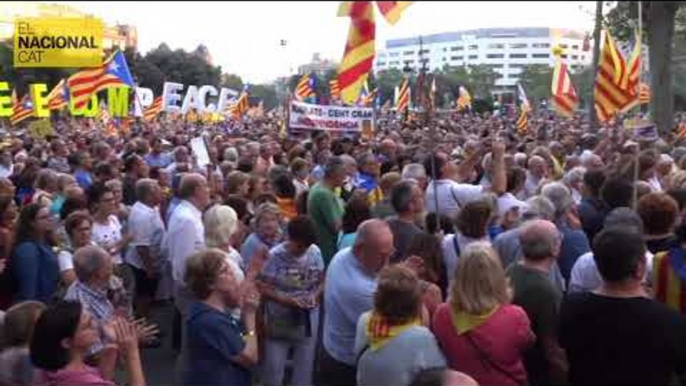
x,y
6,172
185,236
108,235
450,256
451,196
530,186
146,226
655,184
507,202
586,278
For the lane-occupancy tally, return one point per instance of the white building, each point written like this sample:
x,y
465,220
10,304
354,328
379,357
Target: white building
x,y
507,50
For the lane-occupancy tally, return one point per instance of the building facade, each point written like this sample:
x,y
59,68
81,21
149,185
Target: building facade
x,y
506,50
318,66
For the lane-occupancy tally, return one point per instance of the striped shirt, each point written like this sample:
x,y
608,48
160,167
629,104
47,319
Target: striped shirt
x,y
95,302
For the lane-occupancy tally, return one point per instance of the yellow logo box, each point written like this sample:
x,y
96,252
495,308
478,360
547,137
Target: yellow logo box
x,y
58,42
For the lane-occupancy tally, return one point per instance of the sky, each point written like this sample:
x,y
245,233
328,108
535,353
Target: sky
x,y
244,37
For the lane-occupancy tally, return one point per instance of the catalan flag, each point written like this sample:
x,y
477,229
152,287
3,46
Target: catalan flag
x,y
391,10
334,90
403,103
153,110
304,91
432,94
522,122
359,48
669,287
523,100
21,109
464,100
113,72
631,81
644,94
240,107
565,99
58,96
368,98
611,91
524,108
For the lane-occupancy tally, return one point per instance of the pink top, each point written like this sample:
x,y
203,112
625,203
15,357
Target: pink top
x,y
87,376
503,337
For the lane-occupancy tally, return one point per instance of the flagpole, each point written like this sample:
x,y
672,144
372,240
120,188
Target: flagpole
x,y
640,73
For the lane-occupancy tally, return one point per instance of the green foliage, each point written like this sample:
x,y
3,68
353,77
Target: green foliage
x,y
536,80
267,93
20,78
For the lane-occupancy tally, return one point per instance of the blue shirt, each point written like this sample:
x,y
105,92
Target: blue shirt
x,y
36,270
213,337
348,293
161,160
83,178
574,244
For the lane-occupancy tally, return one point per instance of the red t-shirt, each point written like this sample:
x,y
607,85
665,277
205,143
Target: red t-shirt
x,y
503,337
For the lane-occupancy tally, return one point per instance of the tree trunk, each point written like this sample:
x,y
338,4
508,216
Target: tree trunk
x,y
660,37
596,56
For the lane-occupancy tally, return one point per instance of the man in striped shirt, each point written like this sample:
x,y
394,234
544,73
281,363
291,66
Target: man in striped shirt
x,y
93,289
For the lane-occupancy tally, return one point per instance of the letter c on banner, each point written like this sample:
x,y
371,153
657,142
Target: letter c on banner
x,y
202,95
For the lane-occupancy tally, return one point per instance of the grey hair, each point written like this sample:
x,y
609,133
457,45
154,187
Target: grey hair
x,y
144,187
520,159
220,223
334,166
401,195
415,171
624,216
576,175
539,207
88,261
560,196
231,154
366,232
537,244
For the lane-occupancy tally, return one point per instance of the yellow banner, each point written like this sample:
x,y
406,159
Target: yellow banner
x,y
58,42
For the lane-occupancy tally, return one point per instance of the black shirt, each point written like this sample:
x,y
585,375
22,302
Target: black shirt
x,y
535,293
621,341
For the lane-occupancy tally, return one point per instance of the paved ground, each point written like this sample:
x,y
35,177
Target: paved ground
x,y
158,363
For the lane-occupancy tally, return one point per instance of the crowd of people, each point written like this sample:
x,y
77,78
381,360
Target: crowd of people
x,y
456,251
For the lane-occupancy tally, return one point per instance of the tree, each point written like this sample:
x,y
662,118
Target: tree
x,y
584,82
481,80
387,80
184,67
659,27
20,78
232,81
536,80
267,93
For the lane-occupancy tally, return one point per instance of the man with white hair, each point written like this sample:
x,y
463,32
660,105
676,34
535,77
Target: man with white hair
x,y
416,171
145,253
574,241
574,180
349,292
537,171
508,246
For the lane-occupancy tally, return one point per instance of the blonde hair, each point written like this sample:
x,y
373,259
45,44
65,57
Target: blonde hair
x,y
479,281
220,223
